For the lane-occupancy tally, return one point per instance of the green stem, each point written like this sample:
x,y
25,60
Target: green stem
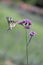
x,y
27,43
26,48
27,53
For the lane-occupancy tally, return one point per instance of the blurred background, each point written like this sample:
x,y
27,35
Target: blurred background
x,y
13,43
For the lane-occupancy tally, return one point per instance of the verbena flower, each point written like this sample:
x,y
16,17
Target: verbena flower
x,y
25,22
32,33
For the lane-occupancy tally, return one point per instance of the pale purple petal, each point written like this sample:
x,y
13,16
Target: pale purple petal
x,y
27,27
21,22
32,33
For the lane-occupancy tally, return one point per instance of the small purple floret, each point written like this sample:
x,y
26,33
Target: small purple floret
x,y
21,22
32,33
27,27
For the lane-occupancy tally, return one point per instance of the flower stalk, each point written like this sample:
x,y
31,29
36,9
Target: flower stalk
x,y
27,43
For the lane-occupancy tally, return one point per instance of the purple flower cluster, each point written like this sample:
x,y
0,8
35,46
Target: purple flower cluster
x,y
27,25
26,22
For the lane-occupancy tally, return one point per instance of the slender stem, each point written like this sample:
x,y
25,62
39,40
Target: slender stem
x,y
29,41
27,53
26,47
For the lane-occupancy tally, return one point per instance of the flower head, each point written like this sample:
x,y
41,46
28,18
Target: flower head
x,y
25,22
32,33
